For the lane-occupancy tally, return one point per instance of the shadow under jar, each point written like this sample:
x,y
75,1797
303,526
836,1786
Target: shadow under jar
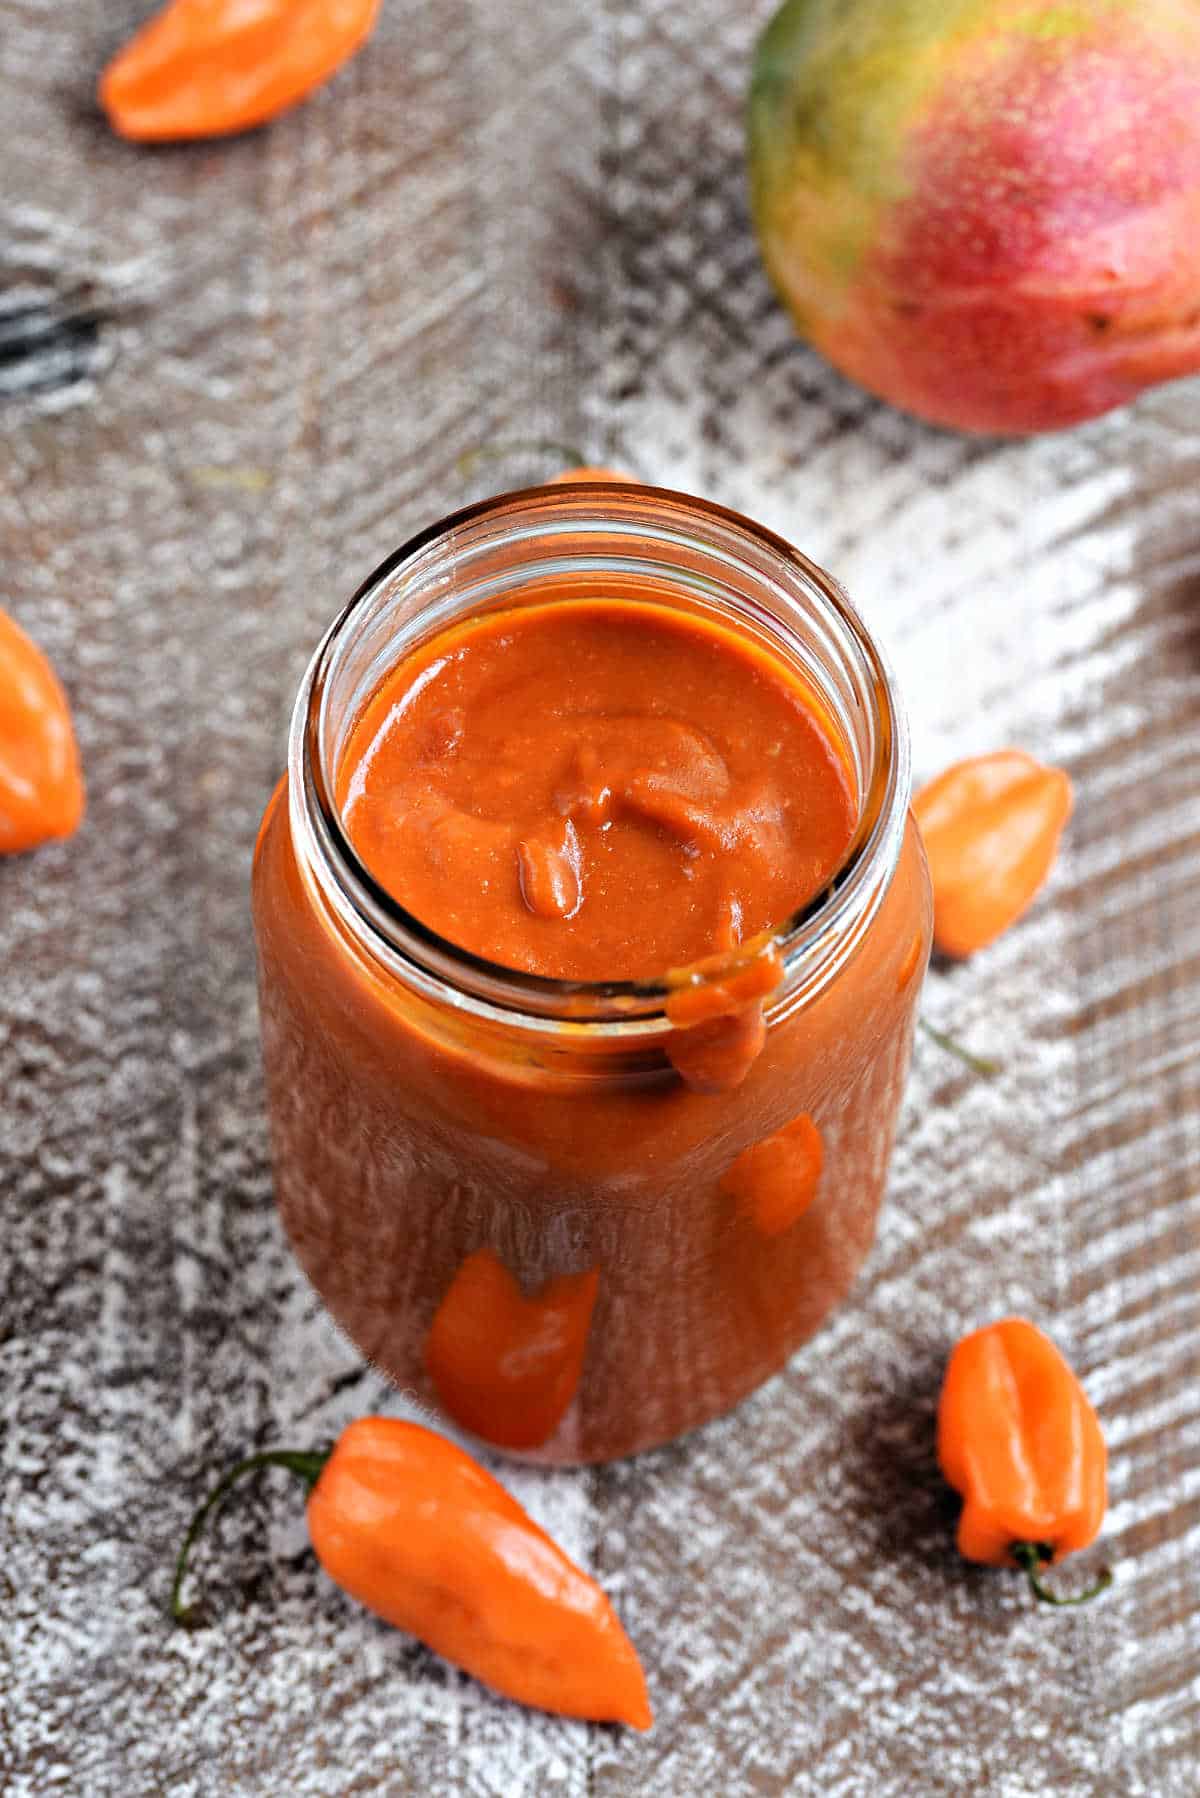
x,y
533,1201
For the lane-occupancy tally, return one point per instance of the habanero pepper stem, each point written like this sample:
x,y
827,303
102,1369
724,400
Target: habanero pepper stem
x,y
1033,1556
307,1463
983,1065
411,1526
470,459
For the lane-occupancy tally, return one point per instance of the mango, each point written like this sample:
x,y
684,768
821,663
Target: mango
x,y
985,211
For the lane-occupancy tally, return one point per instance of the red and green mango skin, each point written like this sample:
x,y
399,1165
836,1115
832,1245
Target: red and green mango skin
x,y
985,211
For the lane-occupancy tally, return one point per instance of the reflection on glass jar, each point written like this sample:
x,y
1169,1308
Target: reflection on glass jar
x,y
586,1217
774,1181
504,1365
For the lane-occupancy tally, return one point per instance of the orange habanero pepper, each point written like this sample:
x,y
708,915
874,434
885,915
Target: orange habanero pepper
x,y
205,68
41,787
407,1523
1019,1440
584,473
991,827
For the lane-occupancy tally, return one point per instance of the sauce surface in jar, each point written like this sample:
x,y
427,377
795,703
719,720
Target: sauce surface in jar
x,y
595,790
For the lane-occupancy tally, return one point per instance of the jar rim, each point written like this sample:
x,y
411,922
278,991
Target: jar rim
x,y
471,980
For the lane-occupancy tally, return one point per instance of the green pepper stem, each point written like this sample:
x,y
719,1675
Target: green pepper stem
x,y
470,459
307,1463
978,1064
1033,1556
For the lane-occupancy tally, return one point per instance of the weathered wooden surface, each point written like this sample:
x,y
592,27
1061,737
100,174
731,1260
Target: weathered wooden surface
x,y
231,378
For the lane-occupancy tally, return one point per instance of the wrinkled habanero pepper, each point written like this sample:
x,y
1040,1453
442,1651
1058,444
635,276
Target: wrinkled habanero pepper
x,y
991,827
407,1523
41,787
1019,1440
205,68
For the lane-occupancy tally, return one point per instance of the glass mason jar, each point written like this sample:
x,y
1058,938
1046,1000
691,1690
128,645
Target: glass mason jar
x,y
531,1201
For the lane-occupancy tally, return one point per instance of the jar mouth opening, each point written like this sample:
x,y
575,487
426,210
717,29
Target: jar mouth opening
x,y
394,931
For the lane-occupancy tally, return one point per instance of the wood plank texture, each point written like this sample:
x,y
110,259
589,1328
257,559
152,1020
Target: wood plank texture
x,y
232,377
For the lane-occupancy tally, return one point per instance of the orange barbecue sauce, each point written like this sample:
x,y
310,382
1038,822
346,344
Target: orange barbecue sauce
x,y
582,1243
595,790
